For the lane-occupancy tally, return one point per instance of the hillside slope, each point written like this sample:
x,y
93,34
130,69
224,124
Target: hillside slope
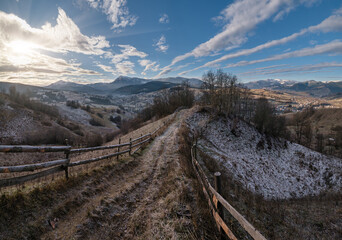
x,y
276,169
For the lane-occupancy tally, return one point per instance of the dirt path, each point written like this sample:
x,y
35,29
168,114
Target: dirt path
x,y
145,199
150,196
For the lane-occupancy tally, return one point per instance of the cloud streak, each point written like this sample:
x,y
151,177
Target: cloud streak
x,y
149,66
240,18
304,68
330,24
334,47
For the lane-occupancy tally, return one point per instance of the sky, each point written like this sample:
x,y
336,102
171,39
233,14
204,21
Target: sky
x,y
88,41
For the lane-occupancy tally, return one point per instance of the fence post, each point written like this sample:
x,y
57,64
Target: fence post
x,y
196,148
67,152
218,189
117,157
130,146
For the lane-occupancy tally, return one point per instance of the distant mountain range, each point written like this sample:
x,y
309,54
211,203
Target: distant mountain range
x,y
270,83
144,88
312,87
122,85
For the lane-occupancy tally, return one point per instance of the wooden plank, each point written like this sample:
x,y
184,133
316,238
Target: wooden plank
x,y
72,164
136,150
134,140
26,148
32,167
156,130
219,221
243,222
224,226
255,234
79,150
215,201
137,144
18,180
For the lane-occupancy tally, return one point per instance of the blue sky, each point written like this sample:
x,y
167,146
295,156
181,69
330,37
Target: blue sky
x,y
88,41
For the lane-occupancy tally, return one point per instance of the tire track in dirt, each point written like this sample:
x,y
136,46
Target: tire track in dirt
x,y
112,202
110,220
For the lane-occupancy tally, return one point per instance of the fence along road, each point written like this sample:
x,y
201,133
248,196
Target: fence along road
x,y
65,164
216,201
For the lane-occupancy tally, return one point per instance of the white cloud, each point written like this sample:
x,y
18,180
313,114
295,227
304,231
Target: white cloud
x,y
127,51
240,18
20,46
116,11
161,44
334,47
164,18
330,24
149,66
125,68
304,68
38,68
106,68
65,36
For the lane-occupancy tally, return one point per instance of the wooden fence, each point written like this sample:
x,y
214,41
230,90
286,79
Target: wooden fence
x,y
216,202
60,165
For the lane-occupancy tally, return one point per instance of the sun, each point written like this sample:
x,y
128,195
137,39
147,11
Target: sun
x,y
20,52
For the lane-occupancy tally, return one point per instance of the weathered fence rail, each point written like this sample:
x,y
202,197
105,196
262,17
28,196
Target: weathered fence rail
x,y
80,150
81,162
32,167
26,148
216,201
22,179
56,166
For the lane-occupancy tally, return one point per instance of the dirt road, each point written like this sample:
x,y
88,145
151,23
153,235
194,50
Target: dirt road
x,y
150,196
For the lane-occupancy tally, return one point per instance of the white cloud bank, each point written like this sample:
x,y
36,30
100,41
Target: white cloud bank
x,y
64,37
21,48
24,50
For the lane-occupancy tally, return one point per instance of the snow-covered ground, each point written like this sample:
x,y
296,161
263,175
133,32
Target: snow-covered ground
x,y
14,123
76,115
277,169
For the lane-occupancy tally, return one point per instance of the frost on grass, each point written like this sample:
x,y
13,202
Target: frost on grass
x,y
274,168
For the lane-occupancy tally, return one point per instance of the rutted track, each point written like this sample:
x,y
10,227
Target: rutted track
x,y
135,200
147,197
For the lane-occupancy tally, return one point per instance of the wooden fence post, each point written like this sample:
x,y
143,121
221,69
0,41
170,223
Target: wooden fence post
x,y
66,167
117,158
196,148
130,146
218,189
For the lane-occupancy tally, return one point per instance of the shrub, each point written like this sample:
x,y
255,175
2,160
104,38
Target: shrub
x,y
73,104
95,122
266,121
116,120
